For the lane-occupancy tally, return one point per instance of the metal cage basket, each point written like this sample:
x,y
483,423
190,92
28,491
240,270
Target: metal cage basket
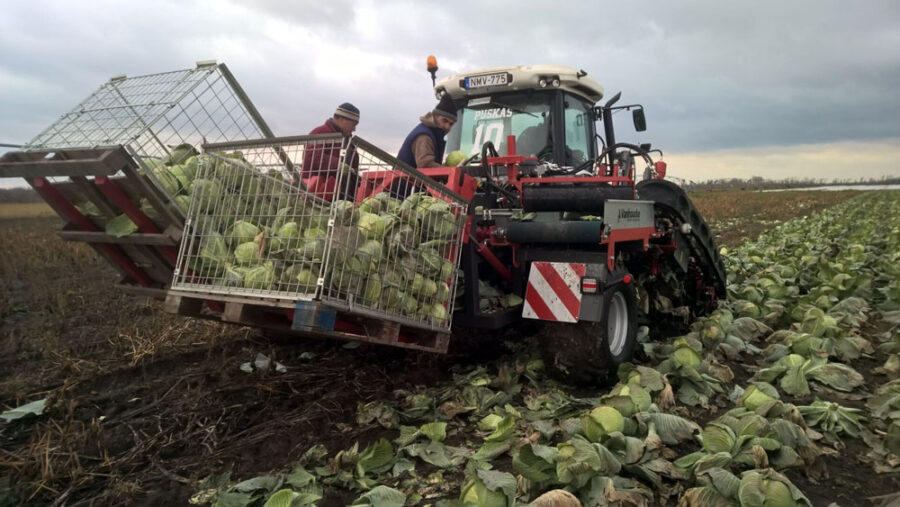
x,y
322,218
160,119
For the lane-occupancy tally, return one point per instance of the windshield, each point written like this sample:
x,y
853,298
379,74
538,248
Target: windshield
x,y
524,115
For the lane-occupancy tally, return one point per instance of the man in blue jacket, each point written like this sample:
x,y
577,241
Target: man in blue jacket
x,y
424,146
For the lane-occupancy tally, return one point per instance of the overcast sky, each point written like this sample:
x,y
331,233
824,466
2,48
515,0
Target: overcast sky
x,y
769,88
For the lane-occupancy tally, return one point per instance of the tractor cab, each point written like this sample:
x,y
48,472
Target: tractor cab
x,y
547,108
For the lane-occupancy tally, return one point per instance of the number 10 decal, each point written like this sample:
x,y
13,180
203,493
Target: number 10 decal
x,y
491,131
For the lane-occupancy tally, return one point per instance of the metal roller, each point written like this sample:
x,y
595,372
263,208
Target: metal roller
x,y
586,199
554,232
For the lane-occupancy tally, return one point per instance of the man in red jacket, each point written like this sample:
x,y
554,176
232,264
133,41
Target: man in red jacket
x,y
321,162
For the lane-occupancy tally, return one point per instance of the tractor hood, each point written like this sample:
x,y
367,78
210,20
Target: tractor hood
x,y
516,78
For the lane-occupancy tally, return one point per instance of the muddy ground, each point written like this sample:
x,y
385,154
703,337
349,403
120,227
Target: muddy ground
x,y
145,404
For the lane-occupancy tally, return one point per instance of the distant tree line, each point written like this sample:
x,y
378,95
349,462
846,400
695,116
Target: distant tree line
x,y
18,195
760,183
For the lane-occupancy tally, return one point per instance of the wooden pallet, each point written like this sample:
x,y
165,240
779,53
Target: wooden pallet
x,y
146,258
305,319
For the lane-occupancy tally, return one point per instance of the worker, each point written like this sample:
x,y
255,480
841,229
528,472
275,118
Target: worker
x,y
424,146
322,161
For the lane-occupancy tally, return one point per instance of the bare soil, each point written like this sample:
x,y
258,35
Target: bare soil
x,y
145,404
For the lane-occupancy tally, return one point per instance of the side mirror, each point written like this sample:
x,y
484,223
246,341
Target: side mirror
x,y
640,123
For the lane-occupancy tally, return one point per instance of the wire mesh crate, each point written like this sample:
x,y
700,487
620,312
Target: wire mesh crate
x,y
317,217
253,227
160,119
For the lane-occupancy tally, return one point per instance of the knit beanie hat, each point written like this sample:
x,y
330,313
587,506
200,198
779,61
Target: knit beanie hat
x,y
446,108
347,110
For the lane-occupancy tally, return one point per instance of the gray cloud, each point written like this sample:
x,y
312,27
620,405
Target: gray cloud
x,y
712,75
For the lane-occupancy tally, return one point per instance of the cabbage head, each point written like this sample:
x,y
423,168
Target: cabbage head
x,y
234,275
241,232
120,226
312,250
246,253
455,158
260,277
372,250
287,237
299,277
213,252
759,393
443,292
376,226
178,173
430,262
190,167
183,202
438,312
345,212
376,204
602,421
167,181
428,290
372,293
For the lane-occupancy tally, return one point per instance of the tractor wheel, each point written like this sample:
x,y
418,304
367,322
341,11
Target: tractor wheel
x,y
591,352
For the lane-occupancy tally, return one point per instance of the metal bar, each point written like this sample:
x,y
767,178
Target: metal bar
x,y
139,118
492,259
55,124
60,168
144,224
131,239
67,211
152,192
279,303
431,183
242,96
176,100
273,141
59,163
250,109
93,195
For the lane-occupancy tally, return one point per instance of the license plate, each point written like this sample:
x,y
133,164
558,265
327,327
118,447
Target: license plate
x,y
498,79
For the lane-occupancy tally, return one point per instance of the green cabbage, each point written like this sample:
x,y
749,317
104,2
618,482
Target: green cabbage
x,y
312,249
372,292
246,253
241,232
602,421
345,212
120,226
184,181
213,253
455,158
168,182
260,277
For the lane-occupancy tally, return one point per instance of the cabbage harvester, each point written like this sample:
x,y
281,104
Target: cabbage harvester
x,y
544,207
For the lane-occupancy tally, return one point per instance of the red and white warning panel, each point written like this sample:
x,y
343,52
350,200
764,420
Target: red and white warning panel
x,y
554,291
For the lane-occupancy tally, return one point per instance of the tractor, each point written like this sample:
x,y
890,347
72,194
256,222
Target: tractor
x,y
543,209
561,219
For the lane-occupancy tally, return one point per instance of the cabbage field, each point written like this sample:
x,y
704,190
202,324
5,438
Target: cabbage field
x,y
788,394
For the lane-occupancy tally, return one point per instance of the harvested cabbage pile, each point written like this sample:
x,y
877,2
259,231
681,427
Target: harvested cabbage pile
x,y
255,231
176,174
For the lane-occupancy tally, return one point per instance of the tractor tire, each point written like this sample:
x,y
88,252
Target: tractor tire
x,y
589,353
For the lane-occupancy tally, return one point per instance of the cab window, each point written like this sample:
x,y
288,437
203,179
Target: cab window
x,y
524,115
578,131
